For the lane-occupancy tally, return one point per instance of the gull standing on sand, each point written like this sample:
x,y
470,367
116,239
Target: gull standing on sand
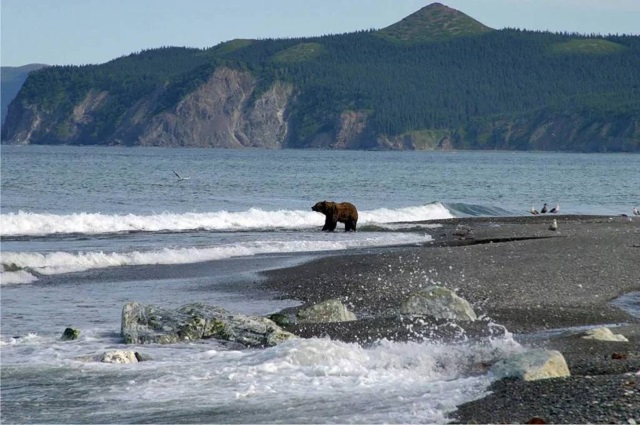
x,y
555,209
534,211
544,209
554,225
635,211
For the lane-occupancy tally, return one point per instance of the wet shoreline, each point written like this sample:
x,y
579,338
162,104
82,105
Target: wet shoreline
x,y
516,273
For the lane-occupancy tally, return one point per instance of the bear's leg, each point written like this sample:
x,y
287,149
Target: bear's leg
x,y
332,225
350,225
327,224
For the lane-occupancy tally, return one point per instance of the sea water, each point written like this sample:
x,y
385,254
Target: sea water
x,y
86,229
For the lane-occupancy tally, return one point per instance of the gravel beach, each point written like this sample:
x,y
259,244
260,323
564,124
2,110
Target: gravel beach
x,y
515,272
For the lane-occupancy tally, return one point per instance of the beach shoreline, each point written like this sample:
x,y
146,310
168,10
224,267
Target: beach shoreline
x,y
517,273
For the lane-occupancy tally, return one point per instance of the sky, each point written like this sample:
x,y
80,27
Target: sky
x,y
80,32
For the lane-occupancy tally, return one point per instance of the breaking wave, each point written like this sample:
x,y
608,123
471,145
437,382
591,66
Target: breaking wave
x,y
23,267
36,224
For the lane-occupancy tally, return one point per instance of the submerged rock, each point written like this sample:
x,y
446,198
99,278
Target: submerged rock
x,y
440,303
70,334
150,324
118,356
532,365
604,334
326,312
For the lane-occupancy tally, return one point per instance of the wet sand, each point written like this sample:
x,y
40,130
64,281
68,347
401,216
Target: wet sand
x,y
519,274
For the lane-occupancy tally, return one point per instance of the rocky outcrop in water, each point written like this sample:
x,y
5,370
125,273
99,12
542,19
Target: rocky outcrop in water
x,y
146,324
70,334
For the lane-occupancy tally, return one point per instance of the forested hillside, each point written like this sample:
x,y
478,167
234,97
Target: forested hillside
x,y
437,79
12,79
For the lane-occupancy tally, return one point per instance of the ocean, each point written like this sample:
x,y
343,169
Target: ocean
x,y
86,229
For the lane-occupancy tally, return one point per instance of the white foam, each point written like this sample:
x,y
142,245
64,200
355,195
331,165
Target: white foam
x,y
66,262
312,380
32,224
19,276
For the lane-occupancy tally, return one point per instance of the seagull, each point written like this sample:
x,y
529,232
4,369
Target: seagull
x,y
544,209
180,177
534,211
635,211
554,225
555,209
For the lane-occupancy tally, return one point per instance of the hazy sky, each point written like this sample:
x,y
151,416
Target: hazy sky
x,y
75,32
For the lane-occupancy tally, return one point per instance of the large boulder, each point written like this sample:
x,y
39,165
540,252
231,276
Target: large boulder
x,y
438,302
150,324
325,312
532,365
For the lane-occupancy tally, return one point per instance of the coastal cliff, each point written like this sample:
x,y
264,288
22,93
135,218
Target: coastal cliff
x,y
437,79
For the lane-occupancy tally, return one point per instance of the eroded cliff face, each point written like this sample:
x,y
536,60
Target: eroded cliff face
x,y
224,112
228,111
553,131
36,124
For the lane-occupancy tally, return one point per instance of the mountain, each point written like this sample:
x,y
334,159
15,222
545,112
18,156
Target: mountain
x,y
12,78
437,79
434,22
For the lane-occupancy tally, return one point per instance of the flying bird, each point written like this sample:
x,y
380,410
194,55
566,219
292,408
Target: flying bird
x,y
544,209
534,211
555,209
179,176
554,225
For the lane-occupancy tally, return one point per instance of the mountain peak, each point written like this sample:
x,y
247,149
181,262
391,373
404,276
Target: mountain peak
x,y
434,22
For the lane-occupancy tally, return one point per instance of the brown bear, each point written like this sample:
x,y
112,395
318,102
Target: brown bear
x,y
342,212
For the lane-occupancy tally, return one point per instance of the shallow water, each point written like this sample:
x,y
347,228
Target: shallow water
x,y
84,230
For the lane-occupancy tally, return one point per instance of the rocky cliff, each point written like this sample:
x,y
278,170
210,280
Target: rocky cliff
x,y
224,112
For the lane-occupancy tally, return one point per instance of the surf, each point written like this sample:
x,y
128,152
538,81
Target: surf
x,y
25,267
22,223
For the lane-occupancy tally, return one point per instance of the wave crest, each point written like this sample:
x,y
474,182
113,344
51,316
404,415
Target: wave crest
x,y
36,224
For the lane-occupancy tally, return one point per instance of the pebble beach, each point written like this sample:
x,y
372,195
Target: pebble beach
x,y
541,285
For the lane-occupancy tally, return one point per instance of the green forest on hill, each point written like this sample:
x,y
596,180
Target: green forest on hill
x,y
460,84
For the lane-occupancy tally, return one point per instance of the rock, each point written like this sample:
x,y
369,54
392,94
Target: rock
x,y
532,365
462,231
326,312
150,324
70,334
438,302
282,319
142,357
604,334
118,356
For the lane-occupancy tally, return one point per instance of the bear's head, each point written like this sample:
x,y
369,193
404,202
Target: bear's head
x,y
323,207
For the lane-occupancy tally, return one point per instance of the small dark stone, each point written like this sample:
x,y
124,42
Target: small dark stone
x,y
70,334
142,357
